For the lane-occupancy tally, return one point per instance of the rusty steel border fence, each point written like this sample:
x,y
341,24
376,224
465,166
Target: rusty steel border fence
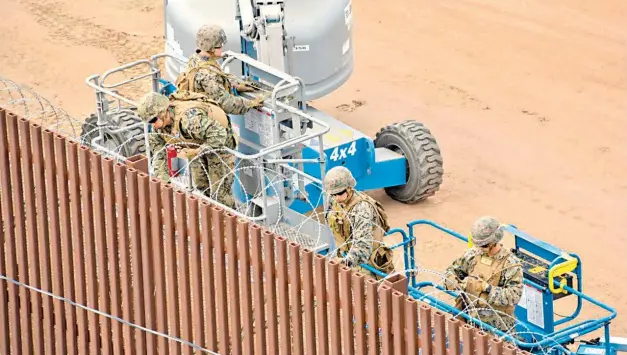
x,y
136,254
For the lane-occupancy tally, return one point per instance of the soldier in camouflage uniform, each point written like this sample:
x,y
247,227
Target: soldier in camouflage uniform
x,y
491,276
358,223
195,126
204,75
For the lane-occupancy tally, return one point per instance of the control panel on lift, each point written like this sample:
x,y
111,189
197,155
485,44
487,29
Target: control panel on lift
x,y
537,270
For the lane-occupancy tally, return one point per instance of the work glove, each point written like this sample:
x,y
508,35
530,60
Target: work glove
x,y
475,286
451,283
243,87
188,153
257,102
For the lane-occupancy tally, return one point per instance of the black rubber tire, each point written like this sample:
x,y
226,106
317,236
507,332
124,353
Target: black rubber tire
x,y
424,160
122,119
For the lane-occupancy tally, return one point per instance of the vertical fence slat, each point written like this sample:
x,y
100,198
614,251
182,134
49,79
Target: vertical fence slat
x,y
167,196
372,305
295,296
453,336
248,341
359,302
102,289
111,241
146,260
26,173
5,345
218,242
284,296
440,333
321,303
8,305
233,283
481,341
468,340
119,174
66,239
346,301
426,330
334,306
158,257
194,238
510,349
496,346
56,269
42,235
183,261
308,298
208,279
398,308
20,240
385,294
259,299
411,323
77,245
270,283
88,247
136,266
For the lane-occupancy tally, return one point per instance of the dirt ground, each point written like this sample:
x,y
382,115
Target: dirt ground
x,y
527,99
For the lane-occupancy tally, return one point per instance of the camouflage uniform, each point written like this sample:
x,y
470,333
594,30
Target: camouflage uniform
x,y
196,123
204,75
492,284
358,225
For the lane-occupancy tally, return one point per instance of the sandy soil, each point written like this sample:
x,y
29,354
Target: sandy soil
x,y
526,98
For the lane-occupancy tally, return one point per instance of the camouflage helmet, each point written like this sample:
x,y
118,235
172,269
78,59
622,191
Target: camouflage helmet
x,y
486,230
151,104
338,179
210,37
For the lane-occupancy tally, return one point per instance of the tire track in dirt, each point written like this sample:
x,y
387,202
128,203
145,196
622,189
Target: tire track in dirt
x,y
138,5
76,31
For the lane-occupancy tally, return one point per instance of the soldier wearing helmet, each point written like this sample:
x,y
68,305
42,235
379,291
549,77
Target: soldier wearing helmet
x,y
196,126
490,276
358,223
204,75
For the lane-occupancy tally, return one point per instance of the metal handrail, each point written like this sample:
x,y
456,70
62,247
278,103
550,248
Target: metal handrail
x,y
94,78
230,55
124,67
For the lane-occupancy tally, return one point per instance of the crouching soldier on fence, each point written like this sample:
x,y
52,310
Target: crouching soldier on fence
x,y
196,126
358,223
490,276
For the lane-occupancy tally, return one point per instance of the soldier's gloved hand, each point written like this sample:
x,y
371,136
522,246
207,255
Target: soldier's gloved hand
x,y
188,153
485,286
475,285
451,283
241,87
257,102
